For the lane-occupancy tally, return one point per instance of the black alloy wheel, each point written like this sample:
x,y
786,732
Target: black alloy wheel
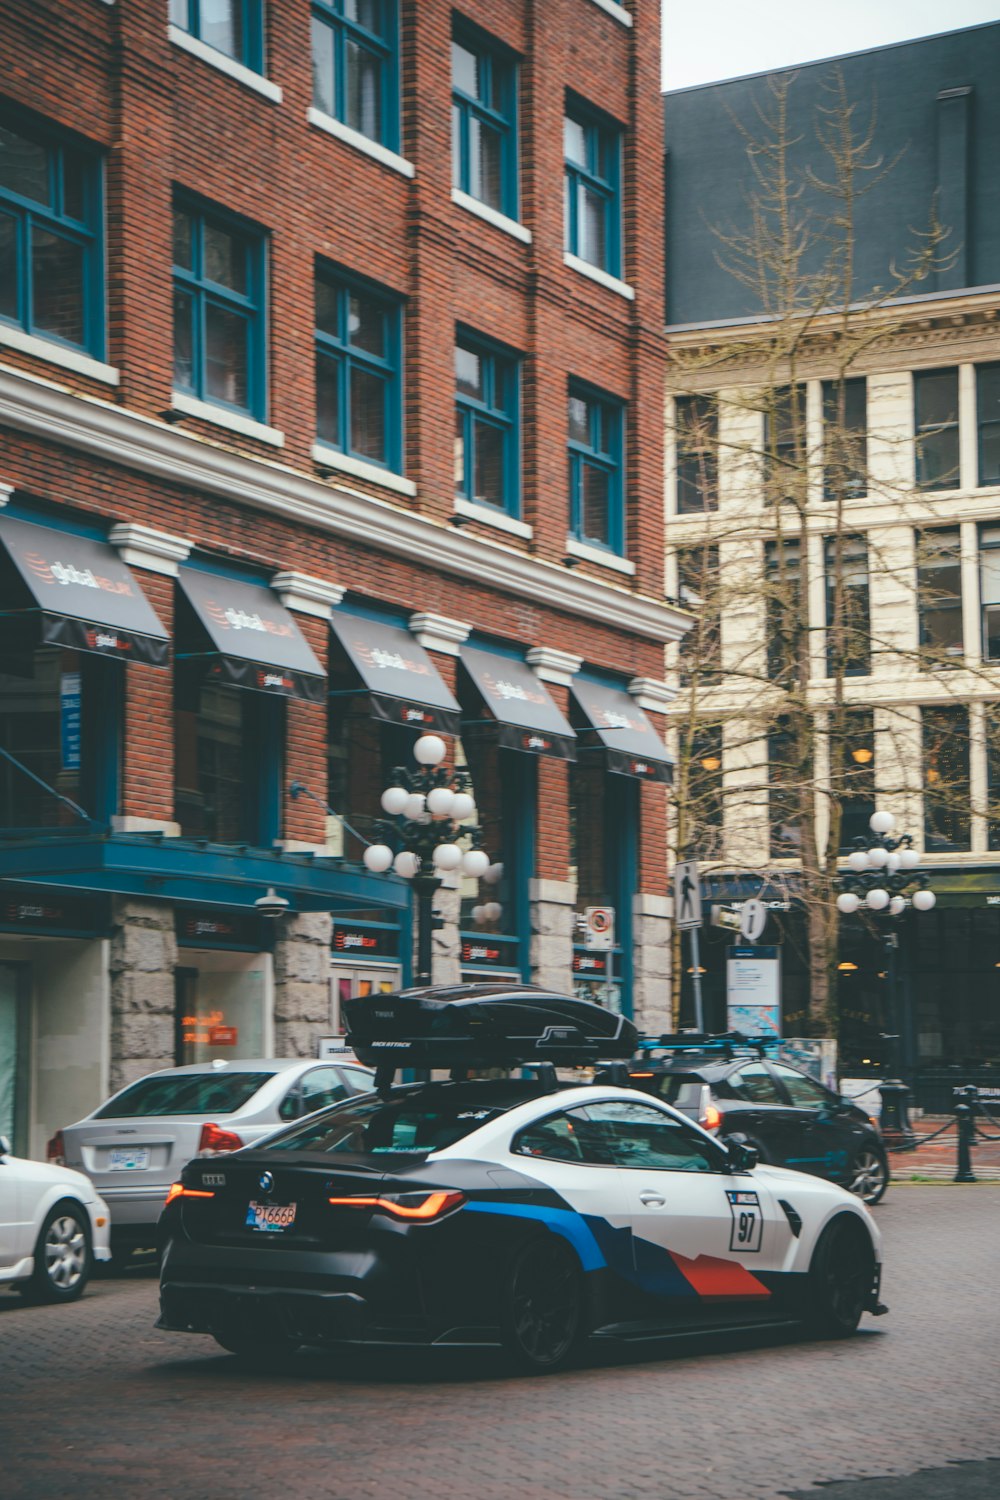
x,y
868,1175
840,1279
543,1313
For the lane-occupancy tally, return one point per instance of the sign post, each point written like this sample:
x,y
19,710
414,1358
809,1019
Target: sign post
x,y
599,937
687,915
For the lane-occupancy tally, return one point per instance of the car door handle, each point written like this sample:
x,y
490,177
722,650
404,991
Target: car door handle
x,y
652,1200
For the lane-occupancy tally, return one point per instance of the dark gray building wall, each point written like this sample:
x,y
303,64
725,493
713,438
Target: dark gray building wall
x,y
937,104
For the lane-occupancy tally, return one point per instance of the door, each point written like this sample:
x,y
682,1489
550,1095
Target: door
x,y
766,1115
355,983
823,1141
222,1006
702,1237
557,1151
16,1198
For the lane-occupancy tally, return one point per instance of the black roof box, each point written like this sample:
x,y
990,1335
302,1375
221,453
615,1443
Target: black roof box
x,y
483,1025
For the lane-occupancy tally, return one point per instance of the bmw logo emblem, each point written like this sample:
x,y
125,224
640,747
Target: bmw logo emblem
x,y
266,1182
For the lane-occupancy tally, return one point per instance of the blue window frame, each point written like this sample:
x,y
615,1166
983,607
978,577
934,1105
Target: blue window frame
x,y
484,121
51,263
592,149
219,309
596,493
358,359
355,66
487,468
235,27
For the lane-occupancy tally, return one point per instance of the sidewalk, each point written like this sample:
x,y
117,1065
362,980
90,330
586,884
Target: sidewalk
x,y
938,1159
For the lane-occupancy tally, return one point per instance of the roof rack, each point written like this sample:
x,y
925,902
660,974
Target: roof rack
x,y
727,1044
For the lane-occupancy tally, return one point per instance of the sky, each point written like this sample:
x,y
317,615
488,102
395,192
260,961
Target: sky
x,y
713,39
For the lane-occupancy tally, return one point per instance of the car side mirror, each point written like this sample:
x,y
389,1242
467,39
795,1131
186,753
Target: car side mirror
x,y
742,1156
6,1149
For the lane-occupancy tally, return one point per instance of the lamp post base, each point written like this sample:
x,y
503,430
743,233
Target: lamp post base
x,y
895,1120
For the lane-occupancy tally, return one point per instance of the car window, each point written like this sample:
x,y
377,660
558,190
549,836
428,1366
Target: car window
x,y
754,1082
314,1090
806,1093
185,1094
635,1135
683,1091
358,1079
566,1137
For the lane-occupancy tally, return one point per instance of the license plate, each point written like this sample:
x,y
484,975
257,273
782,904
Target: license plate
x,y
130,1159
270,1218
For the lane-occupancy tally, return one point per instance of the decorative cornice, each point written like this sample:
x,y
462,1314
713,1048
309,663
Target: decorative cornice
x,y
127,439
651,694
439,633
310,596
554,666
142,547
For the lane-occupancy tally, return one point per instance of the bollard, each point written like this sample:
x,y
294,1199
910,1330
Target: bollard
x,y
963,1113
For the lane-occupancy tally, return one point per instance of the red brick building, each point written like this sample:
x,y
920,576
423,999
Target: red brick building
x,y
324,328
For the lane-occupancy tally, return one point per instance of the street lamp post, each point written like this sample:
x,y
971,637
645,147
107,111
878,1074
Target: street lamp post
x,y
879,871
426,809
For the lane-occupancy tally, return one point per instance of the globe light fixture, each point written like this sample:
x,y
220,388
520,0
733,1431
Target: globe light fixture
x,y
908,859
924,900
897,906
877,899
881,822
414,805
858,860
447,856
475,862
494,874
878,857
394,799
441,801
492,911
463,807
406,864
479,915
892,863
377,858
848,902
430,750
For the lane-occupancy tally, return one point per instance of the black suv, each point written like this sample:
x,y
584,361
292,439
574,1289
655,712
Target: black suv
x,y
789,1118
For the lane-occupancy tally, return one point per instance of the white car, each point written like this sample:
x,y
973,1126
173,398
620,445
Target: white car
x,y
53,1226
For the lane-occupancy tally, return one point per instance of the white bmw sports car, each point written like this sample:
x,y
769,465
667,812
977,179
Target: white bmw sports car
x,y
505,1211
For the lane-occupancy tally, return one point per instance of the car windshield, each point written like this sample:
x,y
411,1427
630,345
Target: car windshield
x,y
414,1124
185,1094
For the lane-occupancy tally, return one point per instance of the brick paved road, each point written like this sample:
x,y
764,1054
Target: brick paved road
x,y
96,1405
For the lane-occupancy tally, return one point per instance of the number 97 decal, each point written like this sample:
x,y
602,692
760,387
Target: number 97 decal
x,y
748,1223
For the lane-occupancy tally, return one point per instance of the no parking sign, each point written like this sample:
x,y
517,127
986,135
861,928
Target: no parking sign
x,y
599,928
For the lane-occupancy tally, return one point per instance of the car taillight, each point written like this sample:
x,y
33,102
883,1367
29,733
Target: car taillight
x,y
178,1190
642,1075
712,1118
55,1151
214,1138
418,1207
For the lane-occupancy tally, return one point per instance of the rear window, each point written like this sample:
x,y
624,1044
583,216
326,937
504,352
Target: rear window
x,y
185,1094
684,1092
373,1127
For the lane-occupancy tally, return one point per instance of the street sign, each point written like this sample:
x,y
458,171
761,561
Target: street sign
x,y
721,916
687,894
753,920
599,928
753,990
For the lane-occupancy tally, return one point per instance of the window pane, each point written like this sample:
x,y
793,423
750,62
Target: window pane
x,y
595,500
226,356
697,427
8,266
328,401
57,276
322,66
939,596
24,166
593,228
456,147
222,25
75,176
328,309
937,460
754,1082
937,398
225,257
946,778
367,414
364,91
638,1136
183,341
366,325
579,428
575,142
484,163
180,13
469,373
464,70
989,453
182,239
459,460
488,480
367,13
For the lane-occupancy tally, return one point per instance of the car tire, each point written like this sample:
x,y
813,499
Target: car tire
x,y
543,1320
840,1279
63,1256
868,1175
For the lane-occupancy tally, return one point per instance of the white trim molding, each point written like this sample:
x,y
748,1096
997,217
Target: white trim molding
x,y
310,596
58,354
228,65
439,633
619,12
613,283
142,547
128,823
6,490
489,516
125,440
392,159
604,559
498,220
555,666
221,416
652,694
332,458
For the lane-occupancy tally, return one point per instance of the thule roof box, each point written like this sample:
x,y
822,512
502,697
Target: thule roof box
x,y
483,1026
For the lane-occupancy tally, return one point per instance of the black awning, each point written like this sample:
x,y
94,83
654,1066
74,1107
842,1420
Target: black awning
x,y
632,746
79,593
405,685
252,640
522,706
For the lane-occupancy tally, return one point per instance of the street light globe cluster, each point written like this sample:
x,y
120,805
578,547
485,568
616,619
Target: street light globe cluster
x,y
878,873
432,803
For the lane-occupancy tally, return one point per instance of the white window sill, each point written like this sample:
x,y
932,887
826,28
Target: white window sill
x,y
498,220
58,354
334,459
360,142
575,548
221,416
596,274
227,65
619,12
490,517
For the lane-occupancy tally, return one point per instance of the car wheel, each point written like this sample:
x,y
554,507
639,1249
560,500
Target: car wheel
x,y
62,1256
840,1279
868,1176
543,1317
